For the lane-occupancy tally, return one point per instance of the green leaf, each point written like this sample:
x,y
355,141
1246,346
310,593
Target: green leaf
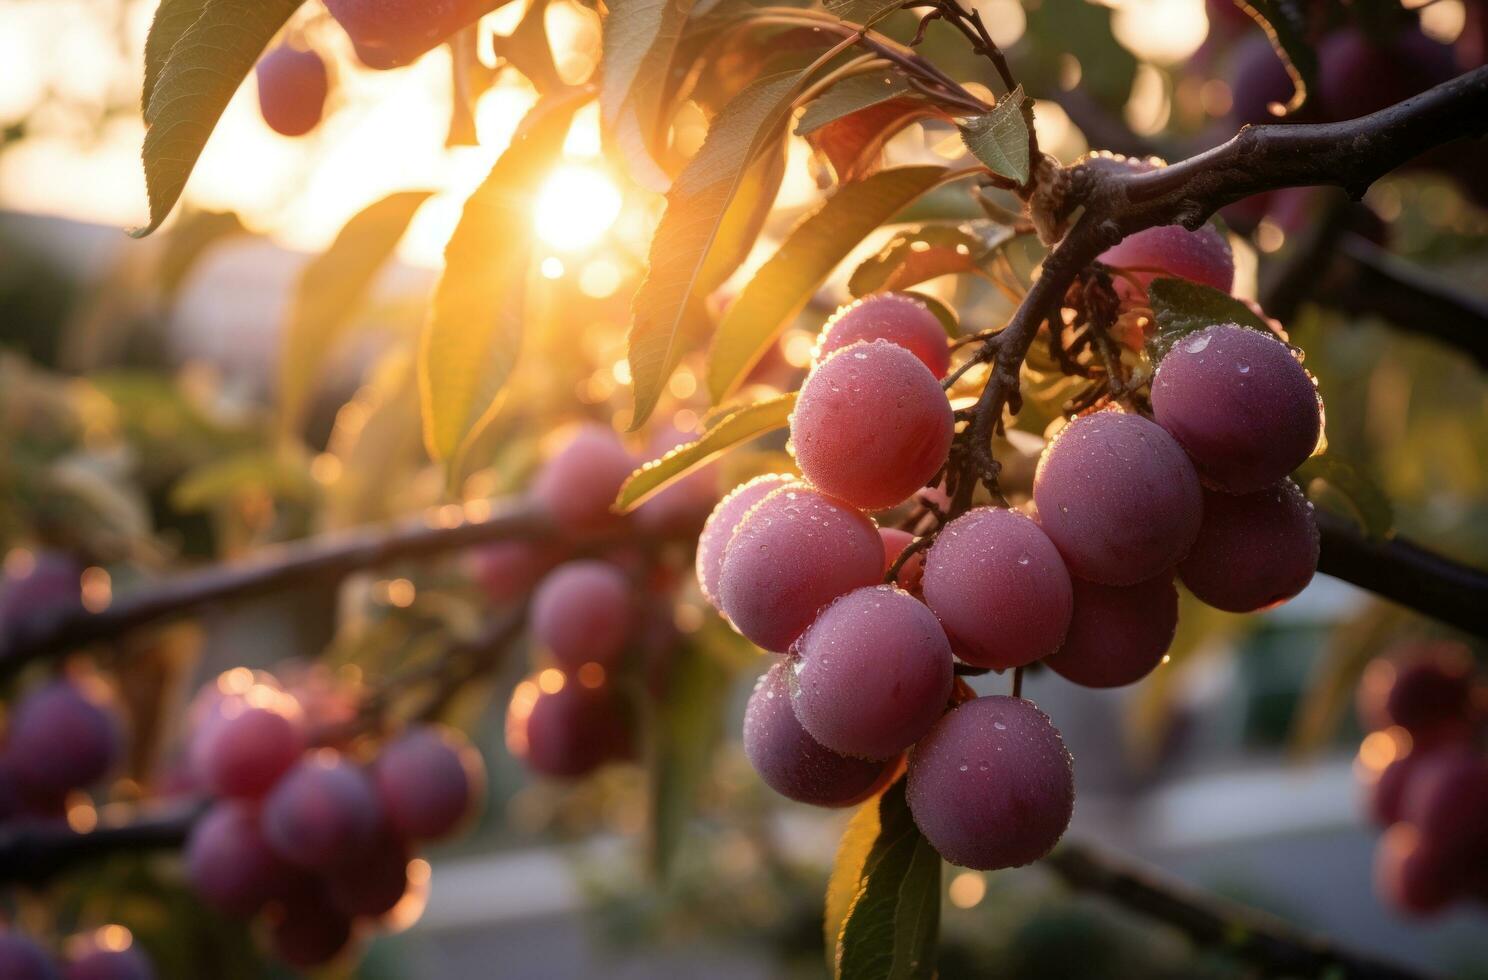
x,y
949,321
474,331
785,283
745,218
913,256
171,20
227,479
696,208
330,289
1286,25
640,39
1359,493
852,95
1182,307
864,12
729,431
1000,138
193,83
685,730
890,928
847,874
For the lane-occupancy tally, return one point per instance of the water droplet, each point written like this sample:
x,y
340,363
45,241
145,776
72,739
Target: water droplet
x,y
999,726
1242,367
1196,344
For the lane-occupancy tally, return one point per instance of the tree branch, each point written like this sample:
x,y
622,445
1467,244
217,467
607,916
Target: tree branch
x,y
1272,945
34,852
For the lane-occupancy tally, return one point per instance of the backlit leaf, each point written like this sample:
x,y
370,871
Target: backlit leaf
x,y
1000,138
913,256
849,96
864,12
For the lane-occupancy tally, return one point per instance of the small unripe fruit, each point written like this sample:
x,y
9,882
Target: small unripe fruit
x,y
392,33
582,613
569,732
22,959
871,425
794,764
1118,497
1118,634
62,737
229,864
244,752
308,929
292,89
580,482
794,552
1411,874
1201,256
720,527
992,785
1254,550
428,780
1240,405
872,674
999,587
895,317
323,813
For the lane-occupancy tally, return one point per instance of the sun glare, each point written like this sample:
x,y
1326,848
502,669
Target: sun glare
x,y
575,206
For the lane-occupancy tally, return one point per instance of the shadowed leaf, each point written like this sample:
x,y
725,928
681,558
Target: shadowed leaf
x,y
1360,494
853,145
1182,307
1000,138
849,96
912,257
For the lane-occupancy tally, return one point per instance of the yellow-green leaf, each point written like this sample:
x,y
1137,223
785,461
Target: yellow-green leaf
x,y
193,82
847,874
784,284
1182,307
852,95
918,254
1000,138
474,330
730,431
329,291
1360,494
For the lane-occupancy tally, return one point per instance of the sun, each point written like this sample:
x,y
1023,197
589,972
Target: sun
x,y
575,206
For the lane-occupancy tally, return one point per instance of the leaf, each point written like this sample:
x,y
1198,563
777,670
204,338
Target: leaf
x,y
190,239
528,50
913,256
863,12
949,321
193,84
1361,494
1000,138
686,728
1182,307
474,331
890,928
783,286
847,874
729,431
224,480
851,95
1060,29
695,212
744,219
171,20
854,144
329,291
640,38
1285,24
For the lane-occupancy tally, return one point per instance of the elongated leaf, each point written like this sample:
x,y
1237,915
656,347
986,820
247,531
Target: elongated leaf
x,y
474,331
785,283
744,219
730,431
853,145
890,928
171,20
329,291
847,874
194,83
1286,25
640,37
1361,494
914,256
851,95
1000,138
695,212
1182,307
191,238
528,50
864,12
687,727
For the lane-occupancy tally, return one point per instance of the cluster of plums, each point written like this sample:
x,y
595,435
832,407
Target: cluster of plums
x,y
107,954
1082,581
1426,774
592,619
294,81
309,836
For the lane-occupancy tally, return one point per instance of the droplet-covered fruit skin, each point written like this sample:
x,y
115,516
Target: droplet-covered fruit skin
x,y
992,785
895,317
111,964
794,764
63,736
1254,550
292,89
245,753
230,865
872,673
428,780
871,425
1411,874
570,732
582,613
1240,405
578,483
1118,497
22,959
1118,633
322,813
309,929
794,552
999,587
721,524
1201,256
390,33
